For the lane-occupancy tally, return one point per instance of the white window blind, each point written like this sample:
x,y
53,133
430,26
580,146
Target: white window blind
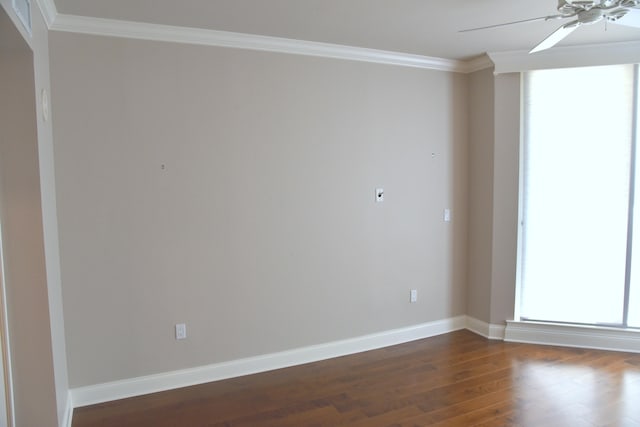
x,y
578,136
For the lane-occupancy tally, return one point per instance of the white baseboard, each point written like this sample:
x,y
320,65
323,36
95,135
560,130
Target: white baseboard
x,y
487,330
105,392
594,337
68,412
525,332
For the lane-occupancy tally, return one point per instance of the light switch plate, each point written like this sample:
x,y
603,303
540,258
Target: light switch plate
x,y
181,331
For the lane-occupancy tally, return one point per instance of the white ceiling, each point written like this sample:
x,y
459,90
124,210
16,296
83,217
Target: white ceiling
x,y
423,27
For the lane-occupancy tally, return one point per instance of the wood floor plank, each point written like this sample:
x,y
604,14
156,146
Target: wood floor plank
x,y
456,379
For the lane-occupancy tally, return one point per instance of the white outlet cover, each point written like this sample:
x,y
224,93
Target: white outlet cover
x,y
181,331
413,295
379,195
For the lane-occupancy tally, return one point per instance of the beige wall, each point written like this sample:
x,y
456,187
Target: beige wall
x,y
233,190
494,141
261,232
29,227
505,196
481,169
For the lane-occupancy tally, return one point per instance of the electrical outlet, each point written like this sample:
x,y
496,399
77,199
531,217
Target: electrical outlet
x,y
413,295
181,331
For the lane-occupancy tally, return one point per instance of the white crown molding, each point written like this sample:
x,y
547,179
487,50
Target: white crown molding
x,y
99,393
601,338
487,330
476,64
566,57
49,11
503,62
168,33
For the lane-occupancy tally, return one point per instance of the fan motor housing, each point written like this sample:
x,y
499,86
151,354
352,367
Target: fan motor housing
x,y
572,6
590,16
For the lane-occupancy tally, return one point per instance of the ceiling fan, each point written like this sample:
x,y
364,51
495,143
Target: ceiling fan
x,y
583,12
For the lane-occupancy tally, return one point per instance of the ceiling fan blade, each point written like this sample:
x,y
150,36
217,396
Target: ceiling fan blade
x,y
556,36
543,18
631,19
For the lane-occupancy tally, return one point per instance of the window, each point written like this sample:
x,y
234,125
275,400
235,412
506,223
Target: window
x,y
578,189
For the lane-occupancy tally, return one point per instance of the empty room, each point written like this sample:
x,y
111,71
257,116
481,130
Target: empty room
x,y
319,213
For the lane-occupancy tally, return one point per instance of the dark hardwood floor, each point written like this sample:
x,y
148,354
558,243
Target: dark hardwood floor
x,y
456,379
